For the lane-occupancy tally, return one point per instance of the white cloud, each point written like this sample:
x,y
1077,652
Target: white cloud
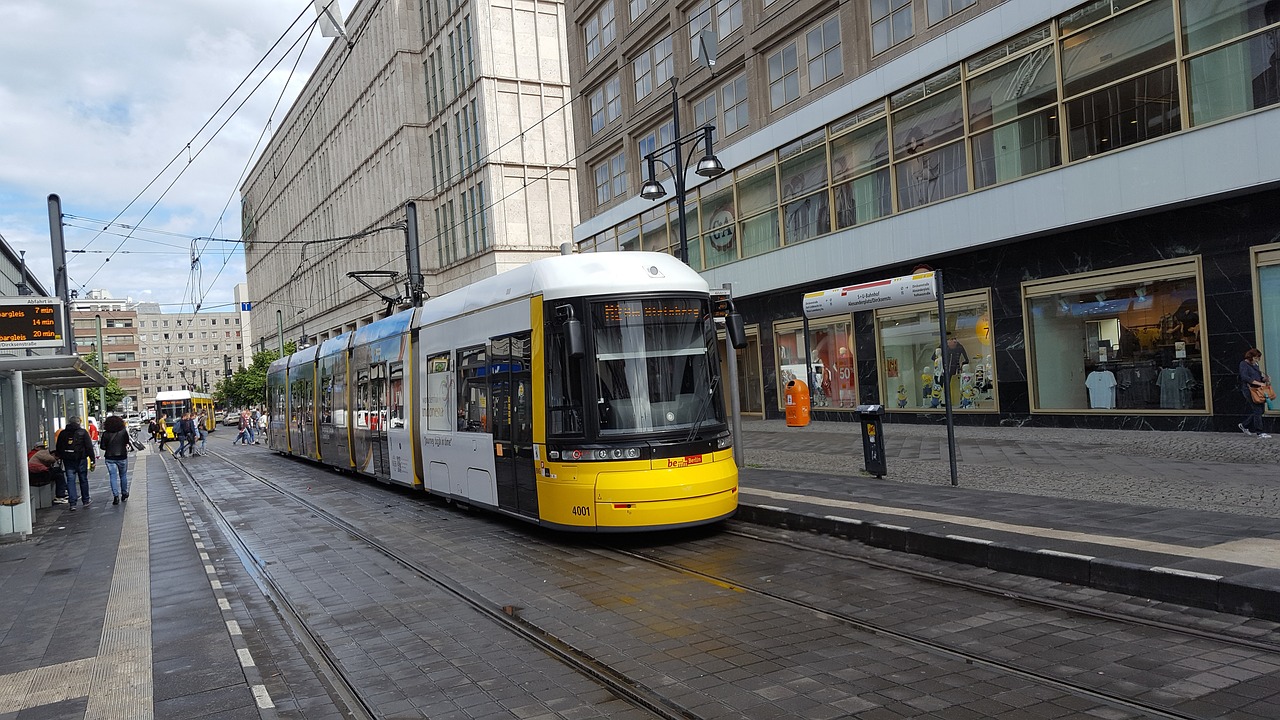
x,y
109,95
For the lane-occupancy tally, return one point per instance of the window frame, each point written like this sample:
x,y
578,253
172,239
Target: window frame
x,y
1190,266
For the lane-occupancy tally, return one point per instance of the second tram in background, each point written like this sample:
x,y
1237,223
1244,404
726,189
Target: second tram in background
x,y
174,403
580,392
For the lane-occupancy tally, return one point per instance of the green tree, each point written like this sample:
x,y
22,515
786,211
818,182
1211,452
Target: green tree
x,y
248,385
115,393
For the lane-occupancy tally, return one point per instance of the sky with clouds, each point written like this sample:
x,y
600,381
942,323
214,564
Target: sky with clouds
x,y
114,105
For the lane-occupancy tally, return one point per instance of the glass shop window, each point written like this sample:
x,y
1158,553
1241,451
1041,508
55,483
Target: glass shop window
x,y
1122,341
833,375
911,369
1267,282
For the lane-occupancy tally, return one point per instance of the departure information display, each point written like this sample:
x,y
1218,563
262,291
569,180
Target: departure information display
x,y
31,322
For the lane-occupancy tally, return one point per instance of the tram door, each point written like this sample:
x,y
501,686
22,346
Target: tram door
x,y
511,421
378,420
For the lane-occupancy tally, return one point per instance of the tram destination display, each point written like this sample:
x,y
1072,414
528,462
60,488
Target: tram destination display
x,y
31,322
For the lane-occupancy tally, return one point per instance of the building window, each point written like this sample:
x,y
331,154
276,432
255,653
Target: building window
x,y
832,376
604,187
653,68
600,30
1238,77
1015,133
928,127
1267,284
940,10
637,8
661,136
727,16
860,168
823,46
734,94
912,374
1103,116
605,104
891,23
784,76
1126,340
806,207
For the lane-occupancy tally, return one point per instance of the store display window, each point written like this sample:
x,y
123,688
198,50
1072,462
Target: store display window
x,y
1267,262
833,376
912,373
1121,341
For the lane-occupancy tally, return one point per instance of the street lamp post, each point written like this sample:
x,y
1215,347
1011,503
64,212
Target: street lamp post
x,y
709,167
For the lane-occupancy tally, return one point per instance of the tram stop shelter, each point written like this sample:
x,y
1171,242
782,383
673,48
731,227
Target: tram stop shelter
x,y
33,400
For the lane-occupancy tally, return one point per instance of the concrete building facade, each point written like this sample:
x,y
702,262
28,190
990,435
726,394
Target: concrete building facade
x,y
1096,180
460,106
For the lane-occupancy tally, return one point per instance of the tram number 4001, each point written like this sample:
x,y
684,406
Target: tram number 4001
x,y
584,510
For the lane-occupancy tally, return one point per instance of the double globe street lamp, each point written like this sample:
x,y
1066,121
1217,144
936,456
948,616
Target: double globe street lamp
x,y
709,167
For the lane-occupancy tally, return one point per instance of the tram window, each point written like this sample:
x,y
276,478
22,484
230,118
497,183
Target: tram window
x,y
326,391
655,365
362,400
396,402
439,388
564,388
473,397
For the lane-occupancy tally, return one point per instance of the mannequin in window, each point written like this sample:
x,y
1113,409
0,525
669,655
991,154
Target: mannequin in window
x,y
957,358
924,169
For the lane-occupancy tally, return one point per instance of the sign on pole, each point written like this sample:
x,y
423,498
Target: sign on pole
x,y
31,322
905,290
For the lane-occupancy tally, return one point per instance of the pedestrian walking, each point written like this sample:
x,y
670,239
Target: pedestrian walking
x,y
153,429
202,432
186,432
242,437
75,450
162,431
253,427
116,443
262,424
1256,387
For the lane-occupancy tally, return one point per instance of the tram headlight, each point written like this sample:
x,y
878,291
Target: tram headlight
x,y
724,441
595,454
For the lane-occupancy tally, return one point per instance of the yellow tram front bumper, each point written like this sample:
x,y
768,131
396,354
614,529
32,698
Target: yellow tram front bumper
x,y
641,495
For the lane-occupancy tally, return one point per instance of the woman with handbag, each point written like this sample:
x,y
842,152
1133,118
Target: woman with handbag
x,y
1256,388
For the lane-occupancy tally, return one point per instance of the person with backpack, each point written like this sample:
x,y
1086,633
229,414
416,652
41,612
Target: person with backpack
x,y
115,443
153,429
75,450
186,432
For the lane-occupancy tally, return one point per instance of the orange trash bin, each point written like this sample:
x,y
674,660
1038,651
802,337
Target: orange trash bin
x,y
797,396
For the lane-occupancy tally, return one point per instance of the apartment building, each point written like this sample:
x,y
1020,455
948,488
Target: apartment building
x,y
1096,181
149,351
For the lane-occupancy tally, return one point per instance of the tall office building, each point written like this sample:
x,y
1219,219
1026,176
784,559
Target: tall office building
x,y
1096,181
457,105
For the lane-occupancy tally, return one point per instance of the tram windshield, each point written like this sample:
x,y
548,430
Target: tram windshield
x,y
656,365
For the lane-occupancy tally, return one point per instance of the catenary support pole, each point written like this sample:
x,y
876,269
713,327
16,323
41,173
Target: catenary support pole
x,y
735,404
946,375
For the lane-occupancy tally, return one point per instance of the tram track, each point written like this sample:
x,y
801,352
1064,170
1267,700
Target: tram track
x,y
655,703
508,617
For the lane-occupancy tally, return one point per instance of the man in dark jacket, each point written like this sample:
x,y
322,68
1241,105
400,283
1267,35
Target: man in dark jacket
x,y
75,450
186,432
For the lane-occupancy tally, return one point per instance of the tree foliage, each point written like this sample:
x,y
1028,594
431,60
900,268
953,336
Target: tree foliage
x,y
248,386
115,393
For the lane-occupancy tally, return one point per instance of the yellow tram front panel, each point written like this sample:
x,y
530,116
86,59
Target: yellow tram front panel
x,y
640,493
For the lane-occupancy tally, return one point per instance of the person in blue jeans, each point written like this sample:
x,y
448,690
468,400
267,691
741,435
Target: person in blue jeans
x,y
115,441
75,450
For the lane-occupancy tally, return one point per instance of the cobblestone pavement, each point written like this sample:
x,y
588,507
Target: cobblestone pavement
x,y
1224,472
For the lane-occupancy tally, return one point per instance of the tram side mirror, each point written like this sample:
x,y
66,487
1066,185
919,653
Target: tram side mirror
x,y
736,330
573,338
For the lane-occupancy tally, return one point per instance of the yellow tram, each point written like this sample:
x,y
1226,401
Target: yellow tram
x,y
579,392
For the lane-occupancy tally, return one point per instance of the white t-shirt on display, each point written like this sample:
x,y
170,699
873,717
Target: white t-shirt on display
x,y
1102,389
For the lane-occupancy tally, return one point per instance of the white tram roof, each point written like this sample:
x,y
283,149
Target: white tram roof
x,y
179,395
557,277
568,276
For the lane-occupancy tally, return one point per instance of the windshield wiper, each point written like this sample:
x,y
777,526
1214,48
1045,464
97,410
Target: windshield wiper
x,y
702,408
